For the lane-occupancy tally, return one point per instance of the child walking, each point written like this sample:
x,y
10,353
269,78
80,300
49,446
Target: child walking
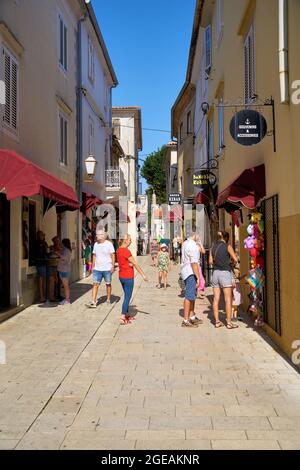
x,y
164,266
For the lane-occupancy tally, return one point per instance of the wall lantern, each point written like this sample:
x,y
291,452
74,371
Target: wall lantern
x,y
90,165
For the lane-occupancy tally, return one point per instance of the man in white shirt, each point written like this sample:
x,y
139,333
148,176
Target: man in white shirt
x,y
191,275
103,266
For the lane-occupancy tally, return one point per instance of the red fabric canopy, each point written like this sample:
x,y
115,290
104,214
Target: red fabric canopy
x,y
20,177
89,200
202,198
246,190
176,214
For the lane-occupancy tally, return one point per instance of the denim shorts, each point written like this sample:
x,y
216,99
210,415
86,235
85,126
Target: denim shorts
x,y
191,288
222,279
99,275
41,271
64,275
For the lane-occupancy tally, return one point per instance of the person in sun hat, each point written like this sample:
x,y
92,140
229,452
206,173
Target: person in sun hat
x,y
163,265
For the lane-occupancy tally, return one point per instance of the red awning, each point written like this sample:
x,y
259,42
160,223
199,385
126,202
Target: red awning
x,y
20,177
246,190
202,198
89,200
176,214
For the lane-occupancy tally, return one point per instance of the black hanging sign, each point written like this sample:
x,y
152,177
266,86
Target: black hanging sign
x,y
174,199
203,179
248,127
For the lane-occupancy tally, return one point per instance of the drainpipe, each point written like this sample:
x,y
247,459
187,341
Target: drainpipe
x,y
283,51
79,93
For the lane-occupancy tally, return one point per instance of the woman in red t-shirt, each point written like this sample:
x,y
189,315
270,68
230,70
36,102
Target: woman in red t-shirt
x,y
126,274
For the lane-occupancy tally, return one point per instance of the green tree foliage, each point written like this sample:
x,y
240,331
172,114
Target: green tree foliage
x,y
154,173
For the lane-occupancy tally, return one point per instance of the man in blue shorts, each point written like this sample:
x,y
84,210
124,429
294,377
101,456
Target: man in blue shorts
x,y
191,275
103,266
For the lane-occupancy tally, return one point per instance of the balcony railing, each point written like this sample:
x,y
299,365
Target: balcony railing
x,y
113,178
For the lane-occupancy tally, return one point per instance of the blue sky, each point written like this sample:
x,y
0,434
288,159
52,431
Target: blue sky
x,y
148,42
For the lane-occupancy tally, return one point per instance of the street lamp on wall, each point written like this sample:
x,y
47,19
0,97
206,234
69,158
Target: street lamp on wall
x,y
90,165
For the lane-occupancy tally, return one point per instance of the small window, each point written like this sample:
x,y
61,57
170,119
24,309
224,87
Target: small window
x,y
91,61
249,63
63,44
221,126
11,75
189,123
91,136
117,128
220,21
211,149
181,133
32,232
208,50
63,140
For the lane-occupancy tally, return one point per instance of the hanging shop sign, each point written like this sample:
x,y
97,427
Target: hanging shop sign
x,y
204,179
248,127
174,199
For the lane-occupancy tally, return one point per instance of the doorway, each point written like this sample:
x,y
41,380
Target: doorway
x,y
4,252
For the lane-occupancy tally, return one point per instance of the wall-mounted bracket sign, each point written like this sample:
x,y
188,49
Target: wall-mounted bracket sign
x,y
248,127
174,199
204,179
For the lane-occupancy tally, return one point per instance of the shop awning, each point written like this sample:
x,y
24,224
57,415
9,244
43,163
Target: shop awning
x,y
176,214
246,190
20,177
89,200
202,198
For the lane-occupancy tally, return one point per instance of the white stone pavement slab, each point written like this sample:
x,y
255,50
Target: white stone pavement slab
x,y
76,379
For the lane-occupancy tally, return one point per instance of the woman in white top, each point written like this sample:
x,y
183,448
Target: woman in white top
x,y
64,269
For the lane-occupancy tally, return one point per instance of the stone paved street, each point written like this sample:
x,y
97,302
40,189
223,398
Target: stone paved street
x,y
76,379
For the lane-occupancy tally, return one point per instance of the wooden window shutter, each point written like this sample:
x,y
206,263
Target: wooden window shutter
x,y
11,91
7,81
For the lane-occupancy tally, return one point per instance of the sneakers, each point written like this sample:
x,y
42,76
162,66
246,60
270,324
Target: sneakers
x,y
189,324
65,302
196,321
91,305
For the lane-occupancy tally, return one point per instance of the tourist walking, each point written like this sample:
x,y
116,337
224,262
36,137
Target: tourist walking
x,y
127,263
191,277
154,248
221,256
164,266
103,266
54,254
41,254
64,269
201,288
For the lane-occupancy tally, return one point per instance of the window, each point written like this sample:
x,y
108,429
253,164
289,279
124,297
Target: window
x,y
63,140
91,136
221,126
32,232
181,133
249,58
211,150
11,75
220,22
91,61
189,123
117,128
208,50
63,44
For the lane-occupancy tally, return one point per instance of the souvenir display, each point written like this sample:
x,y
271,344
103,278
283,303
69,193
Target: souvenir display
x,y
254,243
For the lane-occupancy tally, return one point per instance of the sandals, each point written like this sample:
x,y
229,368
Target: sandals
x,y
124,321
231,326
219,324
